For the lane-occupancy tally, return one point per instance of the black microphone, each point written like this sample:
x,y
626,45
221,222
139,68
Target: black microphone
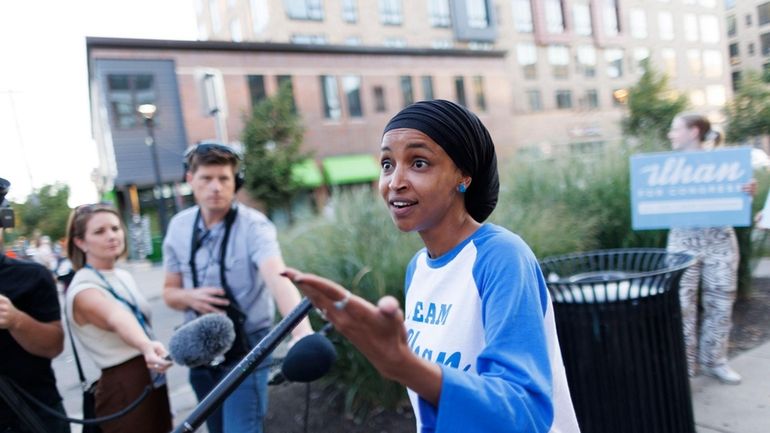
x,y
244,367
202,341
309,359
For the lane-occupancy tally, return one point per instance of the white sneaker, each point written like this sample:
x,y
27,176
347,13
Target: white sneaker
x,y
724,373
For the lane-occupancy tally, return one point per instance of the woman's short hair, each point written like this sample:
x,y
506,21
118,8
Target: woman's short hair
x,y
76,229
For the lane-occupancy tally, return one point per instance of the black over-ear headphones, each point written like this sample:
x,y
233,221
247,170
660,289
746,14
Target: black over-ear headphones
x,y
202,148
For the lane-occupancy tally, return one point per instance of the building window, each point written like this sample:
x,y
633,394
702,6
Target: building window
x,y
691,27
522,15
666,26
460,91
695,62
614,59
216,23
763,13
256,88
582,15
352,41
611,18
126,93
716,95
394,42
259,15
407,92
526,53
709,29
478,14
478,91
734,54
764,39
427,87
729,4
554,16
350,11
442,44
535,100
558,58
379,99
591,99
712,64
304,9
641,55
390,12
235,31
438,13
351,85
750,48
619,97
638,23
563,99
732,26
736,76
331,100
748,20
303,39
285,80
669,61
586,60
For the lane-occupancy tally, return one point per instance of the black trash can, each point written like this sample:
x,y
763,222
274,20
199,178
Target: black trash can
x,y
620,330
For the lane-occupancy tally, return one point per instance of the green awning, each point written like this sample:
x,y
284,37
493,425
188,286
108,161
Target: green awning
x,y
307,174
346,169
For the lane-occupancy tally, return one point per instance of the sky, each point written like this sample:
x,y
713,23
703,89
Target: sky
x,y
45,127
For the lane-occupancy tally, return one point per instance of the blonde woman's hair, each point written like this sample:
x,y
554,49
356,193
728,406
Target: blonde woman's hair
x,y
76,229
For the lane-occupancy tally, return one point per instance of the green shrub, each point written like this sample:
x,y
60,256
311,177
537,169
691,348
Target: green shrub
x,y
360,248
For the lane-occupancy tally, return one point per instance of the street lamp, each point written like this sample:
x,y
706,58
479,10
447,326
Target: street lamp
x,y
148,113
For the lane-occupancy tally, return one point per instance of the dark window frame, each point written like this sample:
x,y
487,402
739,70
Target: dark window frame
x,y
127,116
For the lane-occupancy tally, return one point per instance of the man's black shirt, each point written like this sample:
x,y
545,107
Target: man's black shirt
x,y
31,288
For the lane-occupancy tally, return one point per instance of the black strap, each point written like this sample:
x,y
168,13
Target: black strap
x,y
25,414
144,322
84,386
233,310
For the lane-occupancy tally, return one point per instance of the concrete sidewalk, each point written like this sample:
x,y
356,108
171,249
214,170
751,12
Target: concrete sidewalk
x,y
743,408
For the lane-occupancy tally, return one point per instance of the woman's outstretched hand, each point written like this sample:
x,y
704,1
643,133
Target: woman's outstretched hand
x,y
376,330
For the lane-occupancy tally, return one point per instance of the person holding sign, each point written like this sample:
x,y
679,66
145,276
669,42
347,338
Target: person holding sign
x,y
716,269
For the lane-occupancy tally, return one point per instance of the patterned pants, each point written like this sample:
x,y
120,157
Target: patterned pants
x,y
716,270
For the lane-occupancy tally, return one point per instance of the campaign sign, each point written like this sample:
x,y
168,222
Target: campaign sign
x,y
691,189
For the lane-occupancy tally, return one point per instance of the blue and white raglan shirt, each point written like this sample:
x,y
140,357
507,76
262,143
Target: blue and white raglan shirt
x,y
482,312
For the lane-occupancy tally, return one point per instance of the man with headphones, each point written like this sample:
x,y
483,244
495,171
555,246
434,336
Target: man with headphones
x,y
222,256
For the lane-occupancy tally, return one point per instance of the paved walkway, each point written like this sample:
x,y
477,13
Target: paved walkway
x,y
718,408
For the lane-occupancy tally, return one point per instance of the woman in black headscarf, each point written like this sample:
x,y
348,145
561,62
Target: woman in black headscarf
x,y
476,344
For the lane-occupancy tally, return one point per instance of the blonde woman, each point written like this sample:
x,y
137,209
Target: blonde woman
x,y
111,319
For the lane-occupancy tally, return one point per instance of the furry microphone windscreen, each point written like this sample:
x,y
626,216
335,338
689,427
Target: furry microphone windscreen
x,y
309,359
201,340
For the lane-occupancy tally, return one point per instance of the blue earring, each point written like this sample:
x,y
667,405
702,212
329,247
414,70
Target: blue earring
x,y
462,188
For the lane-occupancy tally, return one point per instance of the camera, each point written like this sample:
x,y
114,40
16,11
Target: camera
x,y
6,213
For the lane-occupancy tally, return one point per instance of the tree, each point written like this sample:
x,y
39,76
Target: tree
x,y
748,114
652,105
272,138
45,210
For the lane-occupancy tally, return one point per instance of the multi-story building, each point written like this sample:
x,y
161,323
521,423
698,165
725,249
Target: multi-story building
x,y
546,76
747,31
568,61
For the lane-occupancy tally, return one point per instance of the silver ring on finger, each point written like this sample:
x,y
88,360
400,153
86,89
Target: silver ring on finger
x,y
342,303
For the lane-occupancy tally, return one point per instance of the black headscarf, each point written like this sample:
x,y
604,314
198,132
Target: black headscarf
x,y
466,140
